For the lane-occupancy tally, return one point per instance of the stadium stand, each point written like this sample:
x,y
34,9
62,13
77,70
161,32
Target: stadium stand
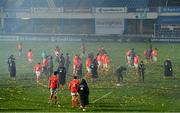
x,y
139,17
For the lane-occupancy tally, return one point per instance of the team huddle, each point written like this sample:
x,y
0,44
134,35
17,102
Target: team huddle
x,y
93,64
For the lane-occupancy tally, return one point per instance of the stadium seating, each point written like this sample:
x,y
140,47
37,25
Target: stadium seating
x,y
166,31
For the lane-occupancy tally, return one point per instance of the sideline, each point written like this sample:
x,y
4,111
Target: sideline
x,y
101,97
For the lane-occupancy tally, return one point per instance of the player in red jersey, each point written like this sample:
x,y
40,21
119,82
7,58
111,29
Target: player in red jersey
x,y
88,64
136,61
128,58
53,86
37,71
105,60
99,60
30,56
154,54
19,48
73,87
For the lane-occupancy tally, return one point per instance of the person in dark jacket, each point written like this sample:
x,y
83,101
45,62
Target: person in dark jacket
x,y
62,76
61,60
12,66
141,70
94,67
119,74
67,62
83,91
168,71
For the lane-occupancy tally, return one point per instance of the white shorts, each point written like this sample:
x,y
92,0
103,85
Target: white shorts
x,y
30,60
38,73
136,65
74,94
155,59
99,63
88,69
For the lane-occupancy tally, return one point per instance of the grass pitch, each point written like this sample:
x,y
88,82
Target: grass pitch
x,y
156,94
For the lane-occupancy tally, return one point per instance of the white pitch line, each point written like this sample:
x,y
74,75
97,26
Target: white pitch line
x,y
102,97
42,84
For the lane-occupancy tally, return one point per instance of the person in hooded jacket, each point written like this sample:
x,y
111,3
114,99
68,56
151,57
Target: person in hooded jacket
x,y
83,91
12,66
62,76
168,71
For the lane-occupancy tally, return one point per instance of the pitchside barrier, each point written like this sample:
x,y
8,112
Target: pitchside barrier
x,y
87,38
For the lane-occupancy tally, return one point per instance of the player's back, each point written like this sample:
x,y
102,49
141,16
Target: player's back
x,y
53,81
74,85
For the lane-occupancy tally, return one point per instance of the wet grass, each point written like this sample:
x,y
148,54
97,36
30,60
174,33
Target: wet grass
x,y
156,94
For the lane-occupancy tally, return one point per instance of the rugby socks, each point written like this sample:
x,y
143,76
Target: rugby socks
x,y
72,103
55,98
77,102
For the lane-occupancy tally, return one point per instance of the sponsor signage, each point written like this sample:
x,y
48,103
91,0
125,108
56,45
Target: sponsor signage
x,y
77,10
170,9
142,9
165,40
111,10
142,15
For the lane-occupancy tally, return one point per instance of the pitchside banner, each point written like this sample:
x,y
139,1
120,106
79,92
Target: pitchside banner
x,y
111,9
151,9
77,10
170,9
109,26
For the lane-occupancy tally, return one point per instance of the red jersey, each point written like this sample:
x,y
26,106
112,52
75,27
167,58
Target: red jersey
x,y
154,53
30,55
88,62
53,81
128,53
145,54
105,59
99,58
136,59
37,67
73,85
